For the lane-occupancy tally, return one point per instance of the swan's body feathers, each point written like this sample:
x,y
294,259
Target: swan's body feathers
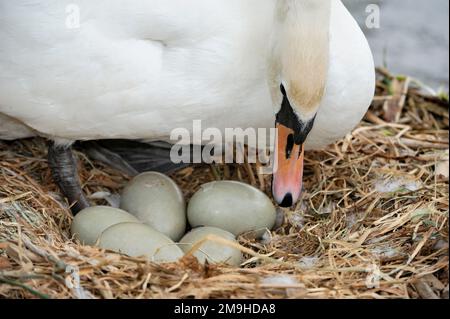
x,y
138,69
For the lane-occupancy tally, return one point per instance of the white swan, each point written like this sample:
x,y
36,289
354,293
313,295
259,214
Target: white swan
x,y
138,69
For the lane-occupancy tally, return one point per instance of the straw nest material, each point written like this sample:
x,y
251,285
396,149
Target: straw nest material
x,y
373,222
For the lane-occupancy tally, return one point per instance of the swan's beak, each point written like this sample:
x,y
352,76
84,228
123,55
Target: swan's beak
x,y
288,168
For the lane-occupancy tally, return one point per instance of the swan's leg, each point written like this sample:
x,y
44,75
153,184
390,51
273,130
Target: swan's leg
x,y
65,174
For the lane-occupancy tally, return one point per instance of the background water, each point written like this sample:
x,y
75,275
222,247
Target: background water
x,y
413,37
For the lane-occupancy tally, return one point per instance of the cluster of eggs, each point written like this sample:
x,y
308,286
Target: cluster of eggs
x,y
152,220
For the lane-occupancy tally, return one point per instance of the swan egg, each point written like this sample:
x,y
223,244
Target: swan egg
x,y
158,202
212,251
89,224
136,240
233,206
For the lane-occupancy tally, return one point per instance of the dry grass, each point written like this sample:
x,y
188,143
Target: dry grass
x,y
376,205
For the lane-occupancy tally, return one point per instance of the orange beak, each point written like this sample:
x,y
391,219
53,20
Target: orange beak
x,y
288,169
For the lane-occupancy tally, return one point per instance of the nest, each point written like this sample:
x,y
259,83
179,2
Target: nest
x,y
373,221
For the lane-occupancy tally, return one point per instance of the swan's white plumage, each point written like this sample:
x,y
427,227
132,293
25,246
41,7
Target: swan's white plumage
x,y
138,69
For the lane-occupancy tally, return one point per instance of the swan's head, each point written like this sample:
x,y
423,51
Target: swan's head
x,y
298,69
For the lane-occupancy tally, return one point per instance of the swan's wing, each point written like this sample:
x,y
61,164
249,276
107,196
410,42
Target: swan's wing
x,y
132,157
135,61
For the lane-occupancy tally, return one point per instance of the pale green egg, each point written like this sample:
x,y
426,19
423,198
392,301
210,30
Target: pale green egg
x,y
136,240
233,206
88,225
211,250
158,202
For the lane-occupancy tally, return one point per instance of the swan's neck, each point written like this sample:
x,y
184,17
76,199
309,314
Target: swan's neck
x,y
302,46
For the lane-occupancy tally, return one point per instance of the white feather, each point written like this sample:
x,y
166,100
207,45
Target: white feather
x,y
138,69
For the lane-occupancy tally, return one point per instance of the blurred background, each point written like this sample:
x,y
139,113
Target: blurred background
x,y
413,38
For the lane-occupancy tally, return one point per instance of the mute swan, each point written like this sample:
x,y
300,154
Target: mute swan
x,y
138,69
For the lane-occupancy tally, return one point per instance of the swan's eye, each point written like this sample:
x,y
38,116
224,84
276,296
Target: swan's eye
x,y
283,90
